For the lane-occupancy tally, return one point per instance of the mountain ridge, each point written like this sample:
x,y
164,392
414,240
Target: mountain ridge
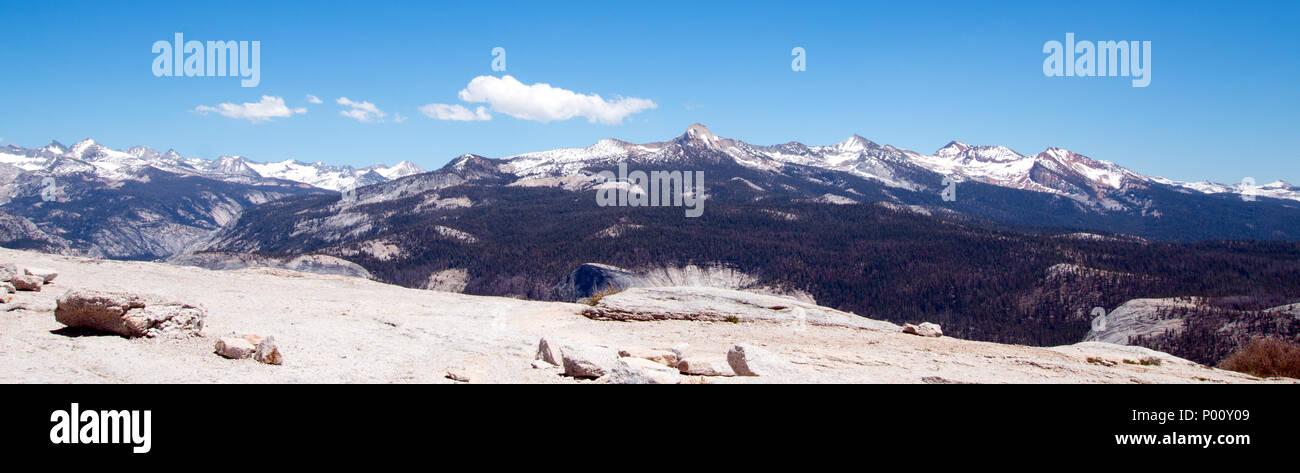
x,y
89,155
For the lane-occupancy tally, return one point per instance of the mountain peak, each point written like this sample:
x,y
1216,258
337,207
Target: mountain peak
x,y
698,129
1055,152
953,148
855,143
399,170
464,159
698,133
467,165
55,145
143,152
80,149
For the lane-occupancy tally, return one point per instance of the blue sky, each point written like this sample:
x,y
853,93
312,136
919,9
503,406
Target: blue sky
x,y
1221,104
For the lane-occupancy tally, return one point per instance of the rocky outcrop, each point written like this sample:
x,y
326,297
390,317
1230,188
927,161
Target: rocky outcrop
x,y
1137,318
925,329
593,278
722,305
129,315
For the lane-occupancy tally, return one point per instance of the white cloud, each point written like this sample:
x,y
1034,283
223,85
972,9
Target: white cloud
x,y
543,103
362,111
266,109
398,118
314,99
442,111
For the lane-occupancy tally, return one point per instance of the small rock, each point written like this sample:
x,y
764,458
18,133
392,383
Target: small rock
x,y
588,361
267,351
234,348
701,366
7,287
27,282
751,360
663,357
253,338
8,271
926,329
549,351
542,365
631,370
46,274
456,376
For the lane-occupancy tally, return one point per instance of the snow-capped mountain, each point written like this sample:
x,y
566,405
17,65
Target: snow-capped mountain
x,y
141,203
1276,189
90,156
397,171
1054,170
1056,188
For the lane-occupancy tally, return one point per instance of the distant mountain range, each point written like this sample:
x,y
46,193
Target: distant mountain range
x,y
1054,170
143,204
87,156
1055,188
